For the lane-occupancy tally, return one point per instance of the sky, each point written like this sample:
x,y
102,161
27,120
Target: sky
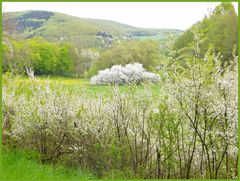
x,y
172,15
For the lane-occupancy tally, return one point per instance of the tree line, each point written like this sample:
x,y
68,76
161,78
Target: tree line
x,y
219,29
48,58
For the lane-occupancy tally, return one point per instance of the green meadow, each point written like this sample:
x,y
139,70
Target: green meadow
x,y
25,164
76,85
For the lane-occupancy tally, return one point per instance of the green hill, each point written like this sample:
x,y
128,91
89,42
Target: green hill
x,y
81,32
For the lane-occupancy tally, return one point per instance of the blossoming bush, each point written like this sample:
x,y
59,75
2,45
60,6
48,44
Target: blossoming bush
x,y
77,129
120,75
187,131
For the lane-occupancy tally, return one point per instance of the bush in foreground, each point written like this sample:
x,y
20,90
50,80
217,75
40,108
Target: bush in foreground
x,y
187,131
121,75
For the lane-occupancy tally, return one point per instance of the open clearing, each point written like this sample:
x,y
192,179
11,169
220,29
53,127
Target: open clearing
x,y
76,85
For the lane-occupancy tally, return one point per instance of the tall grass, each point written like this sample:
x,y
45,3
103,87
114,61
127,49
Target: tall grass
x,y
19,164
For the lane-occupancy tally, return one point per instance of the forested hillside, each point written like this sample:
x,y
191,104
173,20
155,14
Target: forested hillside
x,y
80,32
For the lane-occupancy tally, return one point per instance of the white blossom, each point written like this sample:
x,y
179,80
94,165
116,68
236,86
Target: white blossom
x,y
120,75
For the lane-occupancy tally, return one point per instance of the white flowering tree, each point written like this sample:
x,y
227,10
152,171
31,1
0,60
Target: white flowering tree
x,y
120,75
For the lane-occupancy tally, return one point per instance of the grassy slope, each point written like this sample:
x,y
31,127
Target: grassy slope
x,y
24,165
81,32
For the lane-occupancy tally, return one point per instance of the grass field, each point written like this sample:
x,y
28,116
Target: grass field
x,y
159,38
25,165
76,85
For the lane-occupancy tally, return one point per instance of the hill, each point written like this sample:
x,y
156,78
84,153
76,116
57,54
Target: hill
x,y
81,32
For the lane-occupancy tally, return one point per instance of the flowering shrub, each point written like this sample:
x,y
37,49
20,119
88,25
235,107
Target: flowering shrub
x,y
126,130
187,131
120,75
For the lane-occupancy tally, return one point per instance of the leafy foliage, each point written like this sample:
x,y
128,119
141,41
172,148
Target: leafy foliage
x,y
44,57
146,52
220,30
48,58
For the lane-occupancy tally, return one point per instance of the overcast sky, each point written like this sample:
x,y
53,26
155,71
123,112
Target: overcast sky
x,y
174,15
